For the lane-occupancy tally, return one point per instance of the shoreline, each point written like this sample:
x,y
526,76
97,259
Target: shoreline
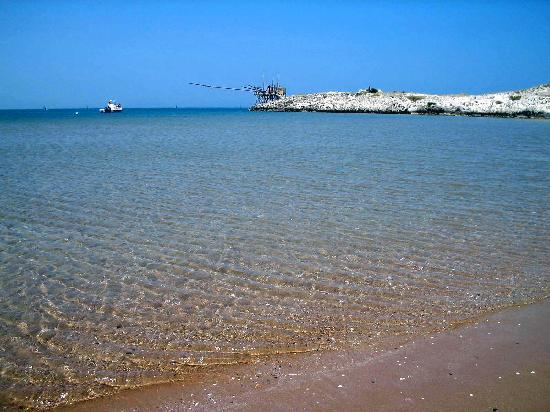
x,y
528,103
463,114
492,344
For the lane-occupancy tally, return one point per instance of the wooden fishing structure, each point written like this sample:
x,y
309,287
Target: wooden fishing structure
x,y
273,91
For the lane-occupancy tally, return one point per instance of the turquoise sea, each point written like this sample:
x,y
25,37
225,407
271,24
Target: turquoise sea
x,y
134,245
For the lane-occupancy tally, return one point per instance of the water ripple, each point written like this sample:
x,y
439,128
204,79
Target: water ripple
x,y
137,246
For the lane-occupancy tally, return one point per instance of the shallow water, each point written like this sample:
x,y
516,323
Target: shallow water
x,y
133,245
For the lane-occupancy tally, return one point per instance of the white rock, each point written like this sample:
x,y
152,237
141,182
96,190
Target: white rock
x,y
533,102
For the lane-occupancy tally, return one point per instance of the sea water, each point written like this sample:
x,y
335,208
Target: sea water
x,y
136,244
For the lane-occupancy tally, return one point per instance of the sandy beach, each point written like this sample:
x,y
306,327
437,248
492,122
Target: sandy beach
x,y
498,363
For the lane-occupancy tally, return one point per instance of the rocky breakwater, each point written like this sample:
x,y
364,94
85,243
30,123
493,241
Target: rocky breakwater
x,y
533,102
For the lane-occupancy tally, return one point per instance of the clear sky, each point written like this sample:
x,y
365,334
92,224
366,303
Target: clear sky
x,y
78,53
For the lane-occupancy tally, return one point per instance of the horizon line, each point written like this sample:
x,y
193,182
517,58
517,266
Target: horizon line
x,y
132,108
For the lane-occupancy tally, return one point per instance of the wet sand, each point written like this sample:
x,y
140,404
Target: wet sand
x,y
499,363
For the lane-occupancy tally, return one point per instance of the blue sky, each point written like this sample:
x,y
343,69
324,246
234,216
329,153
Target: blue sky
x,y
78,53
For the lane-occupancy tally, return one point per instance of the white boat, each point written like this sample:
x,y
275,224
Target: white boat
x,y
112,107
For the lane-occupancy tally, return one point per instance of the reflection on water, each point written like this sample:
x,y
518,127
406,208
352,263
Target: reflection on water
x,y
132,246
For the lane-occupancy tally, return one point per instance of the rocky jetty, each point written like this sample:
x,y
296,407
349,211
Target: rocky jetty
x,y
533,102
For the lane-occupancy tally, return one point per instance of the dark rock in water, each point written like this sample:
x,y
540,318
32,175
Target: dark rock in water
x,y
431,108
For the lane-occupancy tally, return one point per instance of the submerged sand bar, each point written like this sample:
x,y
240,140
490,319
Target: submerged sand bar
x,y
533,102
